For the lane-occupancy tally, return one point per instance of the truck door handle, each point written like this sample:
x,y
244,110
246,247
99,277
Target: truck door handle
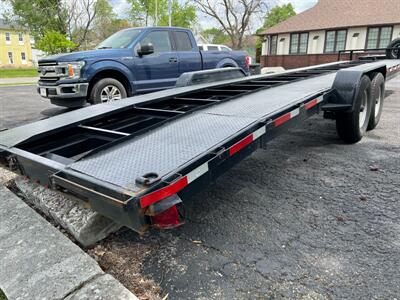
x,y
173,60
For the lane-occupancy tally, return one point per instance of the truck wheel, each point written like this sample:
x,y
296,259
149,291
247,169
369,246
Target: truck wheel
x,y
393,53
377,96
352,126
106,90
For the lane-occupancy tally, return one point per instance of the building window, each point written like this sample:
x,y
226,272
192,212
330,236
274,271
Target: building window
x,y
10,58
274,45
20,37
378,37
298,43
23,57
335,40
8,38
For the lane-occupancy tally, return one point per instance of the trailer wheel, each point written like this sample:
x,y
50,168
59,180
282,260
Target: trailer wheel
x,y
377,96
107,90
352,126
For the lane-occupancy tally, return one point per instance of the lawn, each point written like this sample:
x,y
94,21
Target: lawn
x,y
11,73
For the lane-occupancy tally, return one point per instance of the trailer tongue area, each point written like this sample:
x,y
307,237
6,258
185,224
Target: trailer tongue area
x,y
133,159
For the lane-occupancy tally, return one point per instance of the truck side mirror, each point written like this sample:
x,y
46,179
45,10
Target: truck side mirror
x,y
146,49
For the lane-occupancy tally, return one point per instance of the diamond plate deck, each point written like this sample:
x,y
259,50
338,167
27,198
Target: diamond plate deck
x,y
167,148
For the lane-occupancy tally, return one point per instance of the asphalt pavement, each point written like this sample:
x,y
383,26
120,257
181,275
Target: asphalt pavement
x,y
309,217
21,104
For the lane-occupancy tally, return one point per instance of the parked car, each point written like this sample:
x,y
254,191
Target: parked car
x,y
130,62
213,47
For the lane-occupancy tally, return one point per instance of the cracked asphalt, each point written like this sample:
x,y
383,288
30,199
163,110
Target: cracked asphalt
x,y
307,218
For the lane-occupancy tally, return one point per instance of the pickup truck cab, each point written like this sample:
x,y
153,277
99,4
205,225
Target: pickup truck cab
x,y
130,62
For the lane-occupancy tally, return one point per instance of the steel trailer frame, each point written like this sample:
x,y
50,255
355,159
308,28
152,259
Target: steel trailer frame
x,y
45,152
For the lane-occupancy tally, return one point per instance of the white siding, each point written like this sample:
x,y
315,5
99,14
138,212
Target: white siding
x,y
356,42
316,46
283,44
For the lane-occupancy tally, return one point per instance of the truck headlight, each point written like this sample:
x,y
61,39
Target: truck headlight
x,y
74,69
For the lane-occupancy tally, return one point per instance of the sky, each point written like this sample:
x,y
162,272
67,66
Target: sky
x,y
120,7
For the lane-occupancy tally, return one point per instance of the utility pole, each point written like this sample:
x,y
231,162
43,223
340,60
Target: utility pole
x,y
170,13
156,12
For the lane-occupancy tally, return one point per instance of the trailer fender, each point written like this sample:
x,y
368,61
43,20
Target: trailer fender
x,y
208,76
345,87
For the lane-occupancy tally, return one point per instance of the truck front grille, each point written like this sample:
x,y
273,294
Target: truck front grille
x,y
50,72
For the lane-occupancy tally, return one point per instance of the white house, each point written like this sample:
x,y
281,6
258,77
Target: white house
x,y
316,35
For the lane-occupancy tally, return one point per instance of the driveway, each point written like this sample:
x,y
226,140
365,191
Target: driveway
x,y
21,105
308,218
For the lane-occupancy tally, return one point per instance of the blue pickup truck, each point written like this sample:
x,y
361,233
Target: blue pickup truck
x,y
130,62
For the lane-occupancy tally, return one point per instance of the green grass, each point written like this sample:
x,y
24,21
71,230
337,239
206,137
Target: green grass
x,y
2,296
12,73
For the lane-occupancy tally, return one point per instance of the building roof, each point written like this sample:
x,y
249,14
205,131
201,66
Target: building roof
x,y
12,26
340,14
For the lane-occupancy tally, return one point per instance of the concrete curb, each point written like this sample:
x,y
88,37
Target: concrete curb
x,y
39,262
86,226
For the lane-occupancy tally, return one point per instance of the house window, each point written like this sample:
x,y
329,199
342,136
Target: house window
x,y
23,57
274,45
10,58
335,40
298,43
8,38
379,37
20,37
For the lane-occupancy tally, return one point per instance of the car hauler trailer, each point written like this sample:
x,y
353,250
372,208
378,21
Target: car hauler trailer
x,y
133,160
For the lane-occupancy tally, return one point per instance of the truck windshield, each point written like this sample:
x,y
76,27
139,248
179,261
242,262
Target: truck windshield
x,y
120,39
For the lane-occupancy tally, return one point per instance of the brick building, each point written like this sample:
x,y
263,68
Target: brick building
x,y
316,35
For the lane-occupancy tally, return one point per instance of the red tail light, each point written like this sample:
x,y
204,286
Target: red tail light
x,y
169,218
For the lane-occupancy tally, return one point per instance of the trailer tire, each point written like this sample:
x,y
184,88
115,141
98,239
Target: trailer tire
x,y
351,126
107,87
377,97
393,53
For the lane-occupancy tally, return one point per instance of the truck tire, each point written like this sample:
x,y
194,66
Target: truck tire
x,y
393,53
351,126
377,96
107,90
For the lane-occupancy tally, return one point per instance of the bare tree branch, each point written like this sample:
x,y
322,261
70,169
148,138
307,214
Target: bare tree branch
x,y
234,16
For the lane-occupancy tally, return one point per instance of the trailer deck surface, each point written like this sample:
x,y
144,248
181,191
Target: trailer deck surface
x,y
169,147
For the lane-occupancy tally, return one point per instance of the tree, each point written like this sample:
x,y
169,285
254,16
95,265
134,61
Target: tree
x,y
105,24
72,18
39,16
234,16
215,36
183,15
155,12
276,15
54,42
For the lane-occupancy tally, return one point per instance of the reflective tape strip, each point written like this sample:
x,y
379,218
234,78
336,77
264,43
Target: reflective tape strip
x,y
259,132
196,173
312,103
286,117
164,192
241,144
